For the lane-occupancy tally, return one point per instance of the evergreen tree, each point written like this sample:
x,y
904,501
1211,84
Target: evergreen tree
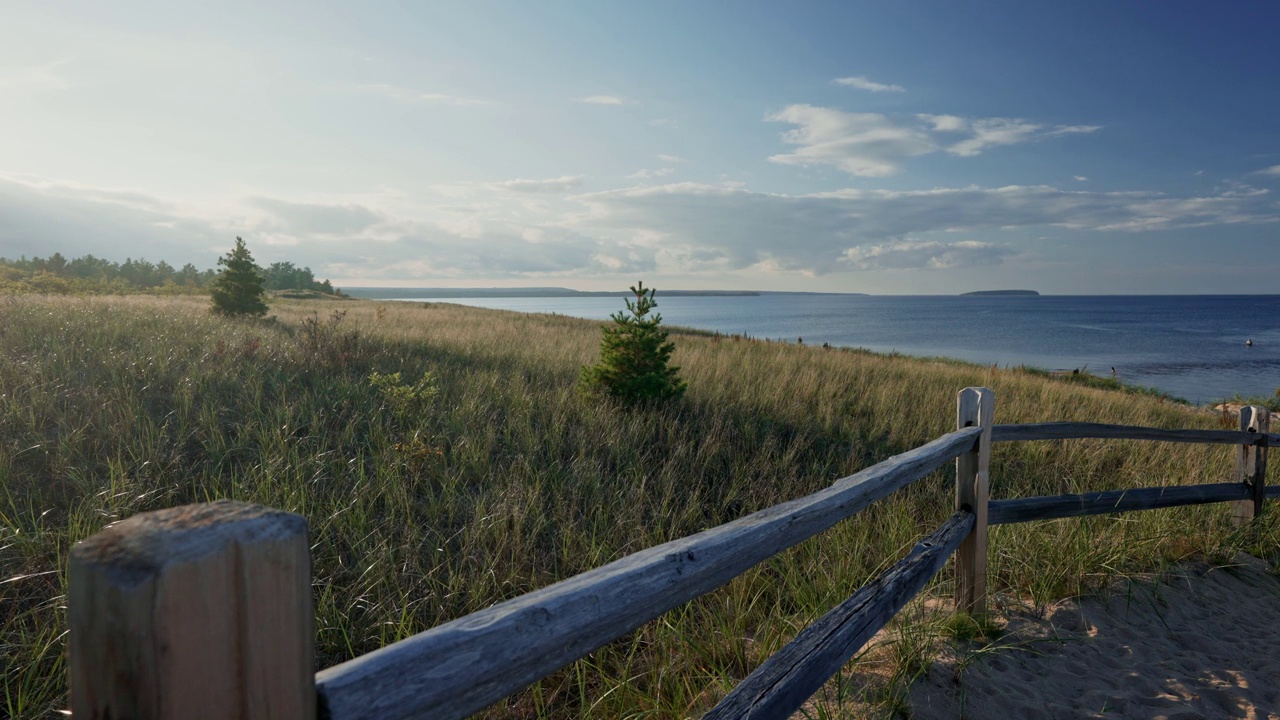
x,y
635,355
238,287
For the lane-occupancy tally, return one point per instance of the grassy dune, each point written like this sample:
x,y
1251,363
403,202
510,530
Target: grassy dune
x,y
432,498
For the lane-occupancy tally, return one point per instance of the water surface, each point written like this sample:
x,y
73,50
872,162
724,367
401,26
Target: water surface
x,y
1192,347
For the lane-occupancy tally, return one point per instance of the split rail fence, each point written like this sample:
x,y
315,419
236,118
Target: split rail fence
x,y
205,611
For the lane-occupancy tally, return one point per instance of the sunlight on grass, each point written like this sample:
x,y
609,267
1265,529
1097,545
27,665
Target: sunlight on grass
x,y
479,473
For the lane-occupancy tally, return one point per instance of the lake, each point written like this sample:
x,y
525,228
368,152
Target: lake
x,y
1192,347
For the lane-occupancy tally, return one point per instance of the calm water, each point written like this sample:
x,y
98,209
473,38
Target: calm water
x,y
1189,346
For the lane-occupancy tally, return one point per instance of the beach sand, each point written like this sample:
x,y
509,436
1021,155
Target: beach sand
x,y
1200,642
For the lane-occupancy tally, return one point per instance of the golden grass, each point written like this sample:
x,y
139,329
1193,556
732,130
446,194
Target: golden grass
x,y
508,479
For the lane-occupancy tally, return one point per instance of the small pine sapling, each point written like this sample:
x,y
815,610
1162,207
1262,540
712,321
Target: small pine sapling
x,y
238,288
635,357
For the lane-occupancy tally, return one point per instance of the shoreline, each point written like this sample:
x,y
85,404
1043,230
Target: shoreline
x,y
1154,351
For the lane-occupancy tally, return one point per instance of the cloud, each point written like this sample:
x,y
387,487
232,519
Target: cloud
x,y
934,255
548,185
866,144
671,159
336,240
317,219
863,83
876,145
945,123
41,217
605,100
1274,171
527,228
425,251
1079,178
992,132
655,173
406,95
729,228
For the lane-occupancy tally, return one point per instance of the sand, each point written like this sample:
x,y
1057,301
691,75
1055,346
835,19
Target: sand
x,y
1200,642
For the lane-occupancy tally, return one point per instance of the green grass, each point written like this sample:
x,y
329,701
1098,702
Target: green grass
x,y
432,498
1270,402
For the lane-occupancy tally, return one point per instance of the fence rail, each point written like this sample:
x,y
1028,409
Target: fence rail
x,y
1001,512
205,611
1104,431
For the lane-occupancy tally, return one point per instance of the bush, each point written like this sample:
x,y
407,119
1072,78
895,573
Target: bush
x,y
635,355
238,287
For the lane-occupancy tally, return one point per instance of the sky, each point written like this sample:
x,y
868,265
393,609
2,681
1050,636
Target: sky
x,y
888,148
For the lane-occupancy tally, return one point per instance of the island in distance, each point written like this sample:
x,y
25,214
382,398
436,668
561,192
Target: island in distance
x,y
1002,292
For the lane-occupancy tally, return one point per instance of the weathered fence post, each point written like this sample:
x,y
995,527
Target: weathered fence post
x,y
202,611
974,406
1251,464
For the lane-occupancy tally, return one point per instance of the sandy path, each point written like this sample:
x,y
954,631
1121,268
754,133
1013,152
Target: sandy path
x,y
1202,643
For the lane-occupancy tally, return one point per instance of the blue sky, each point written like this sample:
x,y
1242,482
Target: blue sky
x,y
923,147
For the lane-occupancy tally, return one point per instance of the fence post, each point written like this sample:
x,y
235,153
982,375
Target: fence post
x,y
974,406
202,611
1251,464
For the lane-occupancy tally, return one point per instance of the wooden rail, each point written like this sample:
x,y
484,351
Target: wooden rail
x,y
783,682
1103,431
204,611
1001,512
512,644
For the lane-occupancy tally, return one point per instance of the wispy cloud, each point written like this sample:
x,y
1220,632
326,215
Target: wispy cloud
x,y
862,83
651,173
925,254
1274,171
530,228
407,95
1079,178
867,144
671,158
876,145
945,123
547,185
605,100
316,218
728,228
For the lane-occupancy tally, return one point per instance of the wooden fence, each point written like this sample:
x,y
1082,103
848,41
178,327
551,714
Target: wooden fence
x,y
205,611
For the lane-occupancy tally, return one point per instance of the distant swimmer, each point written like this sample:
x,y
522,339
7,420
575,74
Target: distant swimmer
x,y
1248,343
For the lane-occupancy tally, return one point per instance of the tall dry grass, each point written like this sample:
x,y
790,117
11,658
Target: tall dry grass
x,y
427,505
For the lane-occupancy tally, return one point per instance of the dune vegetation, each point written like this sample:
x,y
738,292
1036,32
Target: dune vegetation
x,y
446,460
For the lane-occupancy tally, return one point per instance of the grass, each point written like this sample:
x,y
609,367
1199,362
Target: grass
x,y
480,473
1270,402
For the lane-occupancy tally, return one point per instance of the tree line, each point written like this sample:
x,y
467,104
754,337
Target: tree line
x,y
56,274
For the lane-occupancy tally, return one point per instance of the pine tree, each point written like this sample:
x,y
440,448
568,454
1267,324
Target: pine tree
x,y
635,355
238,287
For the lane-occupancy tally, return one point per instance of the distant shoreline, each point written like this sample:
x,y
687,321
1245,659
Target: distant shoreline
x,y
1024,293
383,293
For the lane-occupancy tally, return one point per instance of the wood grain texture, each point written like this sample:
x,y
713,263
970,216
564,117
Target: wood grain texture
x,y
1251,464
974,407
1002,512
1081,430
459,668
790,676
202,611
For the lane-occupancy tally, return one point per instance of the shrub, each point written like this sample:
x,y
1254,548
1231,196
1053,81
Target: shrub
x,y
238,287
635,355
327,344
